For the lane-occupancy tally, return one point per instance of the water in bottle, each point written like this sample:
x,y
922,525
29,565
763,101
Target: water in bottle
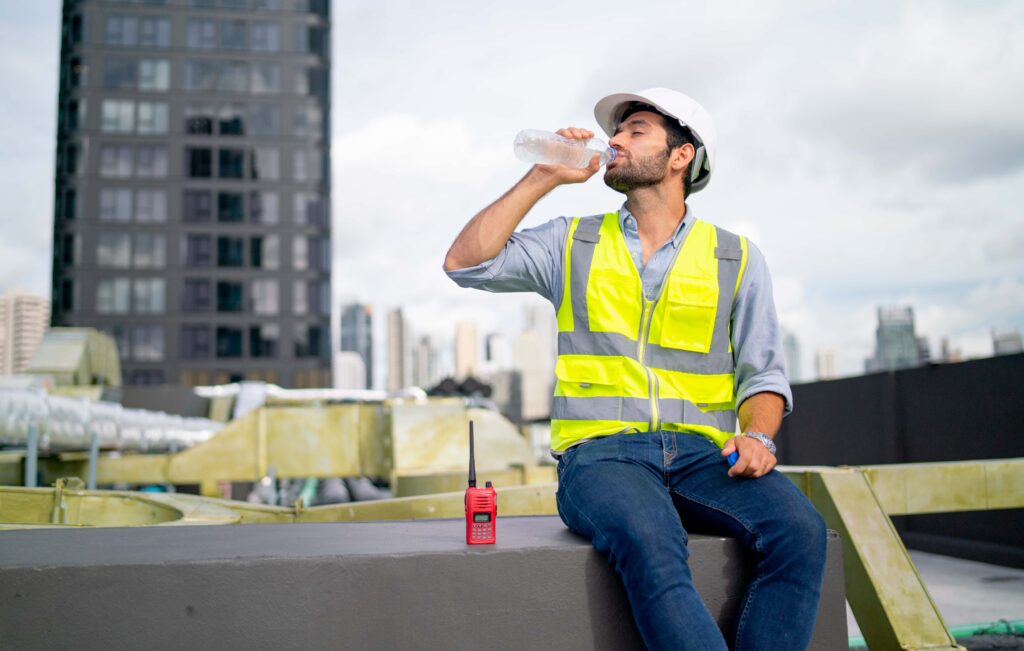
x,y
532,146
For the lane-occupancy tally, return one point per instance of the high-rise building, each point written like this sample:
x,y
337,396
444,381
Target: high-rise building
x,y
791,349
357,335
466,360
530,356
896,343
398,349
424,363
24,319
1006,342
825,363
192,188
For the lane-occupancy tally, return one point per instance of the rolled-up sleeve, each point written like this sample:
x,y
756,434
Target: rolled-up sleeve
x,y
757,341
531,261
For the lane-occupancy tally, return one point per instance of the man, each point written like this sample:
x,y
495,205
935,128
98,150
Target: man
x,y
666,323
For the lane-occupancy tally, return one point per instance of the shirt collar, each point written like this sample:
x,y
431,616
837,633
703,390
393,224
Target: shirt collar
x,y
627,223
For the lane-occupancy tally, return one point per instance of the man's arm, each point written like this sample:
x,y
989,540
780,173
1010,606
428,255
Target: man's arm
x,y
762,390
485,235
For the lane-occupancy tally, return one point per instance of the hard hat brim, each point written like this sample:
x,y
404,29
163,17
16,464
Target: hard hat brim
x,y
608,111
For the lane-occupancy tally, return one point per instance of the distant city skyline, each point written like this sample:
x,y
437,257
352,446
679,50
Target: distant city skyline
x,y
842,154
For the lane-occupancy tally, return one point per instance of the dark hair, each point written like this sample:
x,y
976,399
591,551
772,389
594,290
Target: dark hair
x,y
676,135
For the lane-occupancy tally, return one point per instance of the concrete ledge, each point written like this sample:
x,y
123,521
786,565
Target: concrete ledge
x,y
372,585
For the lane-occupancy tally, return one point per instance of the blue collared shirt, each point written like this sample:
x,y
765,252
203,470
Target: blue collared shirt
x,y
532,261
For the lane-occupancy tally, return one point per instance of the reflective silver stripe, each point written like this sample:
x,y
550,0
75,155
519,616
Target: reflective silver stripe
x,y
687,413
637,410
728,272
595,343
630,410
585,239
687,361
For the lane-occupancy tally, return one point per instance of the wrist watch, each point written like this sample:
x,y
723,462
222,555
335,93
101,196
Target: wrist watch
x,y
763,438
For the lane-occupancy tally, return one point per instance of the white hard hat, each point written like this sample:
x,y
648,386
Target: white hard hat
x,y
683,108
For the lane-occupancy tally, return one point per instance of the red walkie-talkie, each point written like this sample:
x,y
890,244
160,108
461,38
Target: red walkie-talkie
x,y
481,505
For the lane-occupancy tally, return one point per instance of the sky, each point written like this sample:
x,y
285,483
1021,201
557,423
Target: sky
x,y
874,151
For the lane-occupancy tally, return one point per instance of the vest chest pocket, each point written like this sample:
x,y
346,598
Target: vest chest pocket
x,y
690,306
612,303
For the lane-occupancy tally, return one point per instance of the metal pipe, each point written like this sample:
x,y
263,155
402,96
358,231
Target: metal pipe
x,y
32,457
62,423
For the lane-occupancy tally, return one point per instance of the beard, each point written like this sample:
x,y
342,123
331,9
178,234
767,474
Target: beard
x,y
639,173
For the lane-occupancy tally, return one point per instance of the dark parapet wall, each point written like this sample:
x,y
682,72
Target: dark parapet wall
x,y
939,412
379,585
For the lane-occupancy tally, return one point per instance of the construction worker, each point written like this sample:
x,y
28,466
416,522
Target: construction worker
x,y
667,334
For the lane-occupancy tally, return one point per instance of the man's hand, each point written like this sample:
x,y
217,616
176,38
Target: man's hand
x,y
755,459
562,174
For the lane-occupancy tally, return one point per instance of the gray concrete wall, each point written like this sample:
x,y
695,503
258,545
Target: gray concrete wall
x,y
382,585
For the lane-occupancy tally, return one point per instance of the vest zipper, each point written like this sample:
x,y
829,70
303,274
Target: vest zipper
x,y
652,379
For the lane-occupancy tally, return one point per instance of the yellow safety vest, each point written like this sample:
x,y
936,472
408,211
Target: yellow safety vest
x,y
628,364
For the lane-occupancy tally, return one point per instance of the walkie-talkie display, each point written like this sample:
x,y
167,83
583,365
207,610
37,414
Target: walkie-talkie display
x,y
481,505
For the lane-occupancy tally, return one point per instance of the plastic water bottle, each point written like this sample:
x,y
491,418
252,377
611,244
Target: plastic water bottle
x,y
532,146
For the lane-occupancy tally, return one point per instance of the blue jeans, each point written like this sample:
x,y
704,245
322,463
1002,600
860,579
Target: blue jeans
x,y
636,495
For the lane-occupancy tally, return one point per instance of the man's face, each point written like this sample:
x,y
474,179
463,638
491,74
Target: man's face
x,y
643,153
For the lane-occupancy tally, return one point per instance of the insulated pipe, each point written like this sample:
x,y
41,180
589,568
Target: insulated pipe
x,y
69,423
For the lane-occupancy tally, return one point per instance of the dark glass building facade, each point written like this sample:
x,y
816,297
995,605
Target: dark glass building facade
x,y
192,188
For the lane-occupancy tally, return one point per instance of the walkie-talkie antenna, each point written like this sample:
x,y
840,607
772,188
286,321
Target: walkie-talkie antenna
x,y
472,461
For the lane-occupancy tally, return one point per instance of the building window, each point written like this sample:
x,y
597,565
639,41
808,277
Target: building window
x,y
266,37
118,116
266,163
148,251
319,253
231,121
151,161
69,204
115,205
264,296
232,34
318,293
264,120
256,251
309,340
113,250
266,251
150,295
230,164
306,121
200,76
119,74
67,295
300,253
229,296
148,343
197,206
152,118
145,377
154,74
229,207
263,340
264,207
195,341
230,251
151,206
199,161
155,31
265,78
121,30
71,159
199,119
229,342
116,161
200,34
195,296
69,245
198,250
112,296
71,116
266,5
300,297
233,77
